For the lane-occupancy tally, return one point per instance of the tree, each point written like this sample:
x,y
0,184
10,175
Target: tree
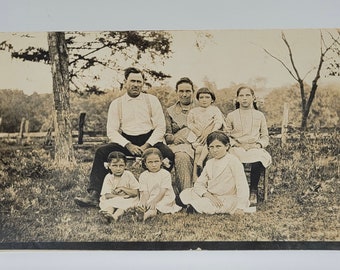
x,y
97,57
105,50
333,67
64,154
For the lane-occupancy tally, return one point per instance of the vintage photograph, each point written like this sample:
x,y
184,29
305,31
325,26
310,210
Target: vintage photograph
x,y
184,139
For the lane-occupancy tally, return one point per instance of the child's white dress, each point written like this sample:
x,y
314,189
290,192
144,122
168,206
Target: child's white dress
x,y
200,118
225,179
153,183
248,127
110,183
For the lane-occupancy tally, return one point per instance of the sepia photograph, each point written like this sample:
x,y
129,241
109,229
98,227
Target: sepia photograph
x,y
83,113
194,139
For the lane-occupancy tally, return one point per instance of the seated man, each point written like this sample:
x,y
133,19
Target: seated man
x,y
177,133
135,122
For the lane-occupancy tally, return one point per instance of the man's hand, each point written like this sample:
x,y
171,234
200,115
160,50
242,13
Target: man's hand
x,y
179,140
134,149
109,196
145,146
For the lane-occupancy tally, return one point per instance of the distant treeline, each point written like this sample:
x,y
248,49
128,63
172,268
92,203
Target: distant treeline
x,y
38,108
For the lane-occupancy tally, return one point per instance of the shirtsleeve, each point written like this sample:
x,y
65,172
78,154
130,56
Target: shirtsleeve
x,y
229,128
142,181
113,124
158,121
166,180
191,122
132,182
218,119
264,136
201,184
107,186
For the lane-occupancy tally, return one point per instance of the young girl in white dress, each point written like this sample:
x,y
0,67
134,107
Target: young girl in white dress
x,y
156,192
248,132
202,120
222,187
120,188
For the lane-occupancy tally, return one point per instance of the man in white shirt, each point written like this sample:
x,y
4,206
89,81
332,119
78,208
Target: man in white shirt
x,y
135,122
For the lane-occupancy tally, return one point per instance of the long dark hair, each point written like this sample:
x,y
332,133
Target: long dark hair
x,y
237,104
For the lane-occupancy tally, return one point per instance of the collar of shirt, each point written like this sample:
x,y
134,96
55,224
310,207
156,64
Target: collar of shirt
x,y
181,109
128,98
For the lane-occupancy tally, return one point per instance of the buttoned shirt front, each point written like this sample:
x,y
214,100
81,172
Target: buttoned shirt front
x,y
137,116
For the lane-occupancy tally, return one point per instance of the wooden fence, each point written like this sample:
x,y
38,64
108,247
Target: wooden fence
x,y
87,138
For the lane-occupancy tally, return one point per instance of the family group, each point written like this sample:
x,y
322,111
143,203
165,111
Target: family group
x,y
206,150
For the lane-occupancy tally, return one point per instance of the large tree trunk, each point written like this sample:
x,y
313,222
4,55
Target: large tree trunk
x,y
64,154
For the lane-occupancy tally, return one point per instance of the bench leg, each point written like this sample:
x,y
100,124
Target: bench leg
x,y
265,185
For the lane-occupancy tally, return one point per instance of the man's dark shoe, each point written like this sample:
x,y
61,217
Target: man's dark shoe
x,y
179,202
90,200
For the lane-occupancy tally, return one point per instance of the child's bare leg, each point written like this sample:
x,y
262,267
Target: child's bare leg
x,y
197,156
118,213
202,156
149,214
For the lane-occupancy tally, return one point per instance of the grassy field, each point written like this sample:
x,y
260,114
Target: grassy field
x,y
36,202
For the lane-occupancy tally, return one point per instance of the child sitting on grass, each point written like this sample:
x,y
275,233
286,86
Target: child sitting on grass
x,y
120,188
156,192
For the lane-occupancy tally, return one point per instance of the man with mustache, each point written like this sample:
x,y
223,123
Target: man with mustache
x,y
135,122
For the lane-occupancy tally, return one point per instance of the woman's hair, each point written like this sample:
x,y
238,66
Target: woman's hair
x,y
116,155
149,152
185,80
205,90
218,135
237,104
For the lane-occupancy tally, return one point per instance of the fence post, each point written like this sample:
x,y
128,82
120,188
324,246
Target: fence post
x,y
27,126
21,131
81,127
284,127
0,122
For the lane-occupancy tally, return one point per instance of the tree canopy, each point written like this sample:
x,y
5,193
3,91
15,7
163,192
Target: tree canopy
x,y
97,57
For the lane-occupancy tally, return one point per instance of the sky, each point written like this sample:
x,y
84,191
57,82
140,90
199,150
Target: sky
x,y
223,57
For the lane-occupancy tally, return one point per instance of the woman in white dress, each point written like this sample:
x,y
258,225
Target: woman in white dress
x,y
222,187
156,192
248,132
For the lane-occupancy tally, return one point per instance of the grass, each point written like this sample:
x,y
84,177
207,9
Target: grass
x,y
37,204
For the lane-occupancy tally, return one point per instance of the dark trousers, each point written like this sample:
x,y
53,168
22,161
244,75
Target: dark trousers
x,y
255,173
98,171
